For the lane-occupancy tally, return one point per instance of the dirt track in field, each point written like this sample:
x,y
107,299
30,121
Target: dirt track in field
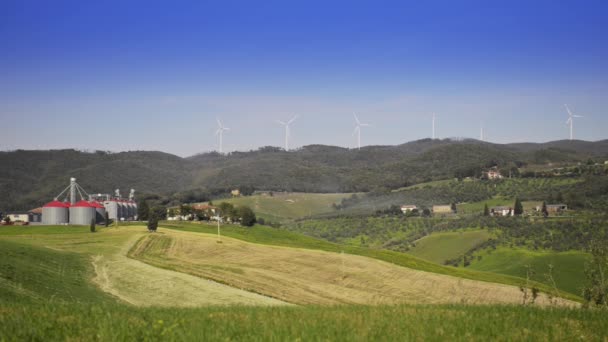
x,y
141,284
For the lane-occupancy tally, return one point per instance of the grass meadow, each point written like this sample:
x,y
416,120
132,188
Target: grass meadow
x,y
113,322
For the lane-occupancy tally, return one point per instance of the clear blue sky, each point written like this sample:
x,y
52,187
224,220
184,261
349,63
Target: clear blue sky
x,y
148,75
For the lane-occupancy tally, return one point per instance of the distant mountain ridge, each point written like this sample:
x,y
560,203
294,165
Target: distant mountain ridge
x,y
31,178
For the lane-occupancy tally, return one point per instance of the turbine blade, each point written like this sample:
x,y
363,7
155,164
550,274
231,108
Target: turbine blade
x,y
357,119
219,123
281,122
356,130
569,120
577,116
292,119
568,109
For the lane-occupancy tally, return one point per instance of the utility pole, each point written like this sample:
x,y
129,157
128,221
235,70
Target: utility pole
x,y
219,237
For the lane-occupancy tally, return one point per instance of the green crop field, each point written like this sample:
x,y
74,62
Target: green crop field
x,y
568,272
440,247
282,206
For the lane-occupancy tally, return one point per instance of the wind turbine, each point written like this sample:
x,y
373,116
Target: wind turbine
x,y
287,132
433,136
357,130
220,131
571,121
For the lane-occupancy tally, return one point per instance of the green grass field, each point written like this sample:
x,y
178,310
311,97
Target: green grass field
x,y
46,294
78,322
31,274
287,206
439,247
568,270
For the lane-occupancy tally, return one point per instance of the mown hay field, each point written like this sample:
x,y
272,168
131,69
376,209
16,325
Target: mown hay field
x,y
303,276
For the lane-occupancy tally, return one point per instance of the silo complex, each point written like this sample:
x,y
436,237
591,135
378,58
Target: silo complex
x,y
82,213
55,212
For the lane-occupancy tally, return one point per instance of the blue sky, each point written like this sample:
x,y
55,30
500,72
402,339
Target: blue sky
x,y
147,75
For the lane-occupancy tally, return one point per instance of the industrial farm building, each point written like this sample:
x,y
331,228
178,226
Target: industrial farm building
x,y
89,208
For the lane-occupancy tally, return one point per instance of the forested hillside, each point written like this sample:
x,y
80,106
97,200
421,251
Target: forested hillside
x,y
30,178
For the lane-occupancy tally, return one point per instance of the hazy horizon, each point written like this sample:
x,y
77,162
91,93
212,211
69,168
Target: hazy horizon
x,y
143,76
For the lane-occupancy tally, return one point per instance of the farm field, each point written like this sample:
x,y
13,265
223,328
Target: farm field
x,y
568,271
287,206
302,276
276,237
440,247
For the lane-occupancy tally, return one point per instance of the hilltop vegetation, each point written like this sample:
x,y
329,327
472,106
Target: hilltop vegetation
x,y
30,178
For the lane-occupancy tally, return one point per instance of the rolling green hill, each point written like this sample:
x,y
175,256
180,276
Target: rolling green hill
x,y
568,271
33,274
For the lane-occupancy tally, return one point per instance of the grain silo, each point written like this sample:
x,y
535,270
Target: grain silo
x,y
124,210
55,212
135,212
82,213
100,211
132,210
111,209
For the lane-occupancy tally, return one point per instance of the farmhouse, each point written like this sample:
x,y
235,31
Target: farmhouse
x,y
556,208
502,211
442,209
25,216
235,193
494,173
407,208
175,214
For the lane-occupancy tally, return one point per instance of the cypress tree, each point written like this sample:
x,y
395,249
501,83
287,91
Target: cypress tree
x,y
544,210
518,208
486,210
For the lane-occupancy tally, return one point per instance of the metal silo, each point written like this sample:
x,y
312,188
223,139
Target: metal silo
x,y
54,212
112,209
132,211
136,214
124,210
100,212
81,213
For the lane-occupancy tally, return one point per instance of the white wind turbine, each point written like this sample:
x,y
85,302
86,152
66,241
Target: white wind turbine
x,y
220,132
358,130
433,135
571,121
287,131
